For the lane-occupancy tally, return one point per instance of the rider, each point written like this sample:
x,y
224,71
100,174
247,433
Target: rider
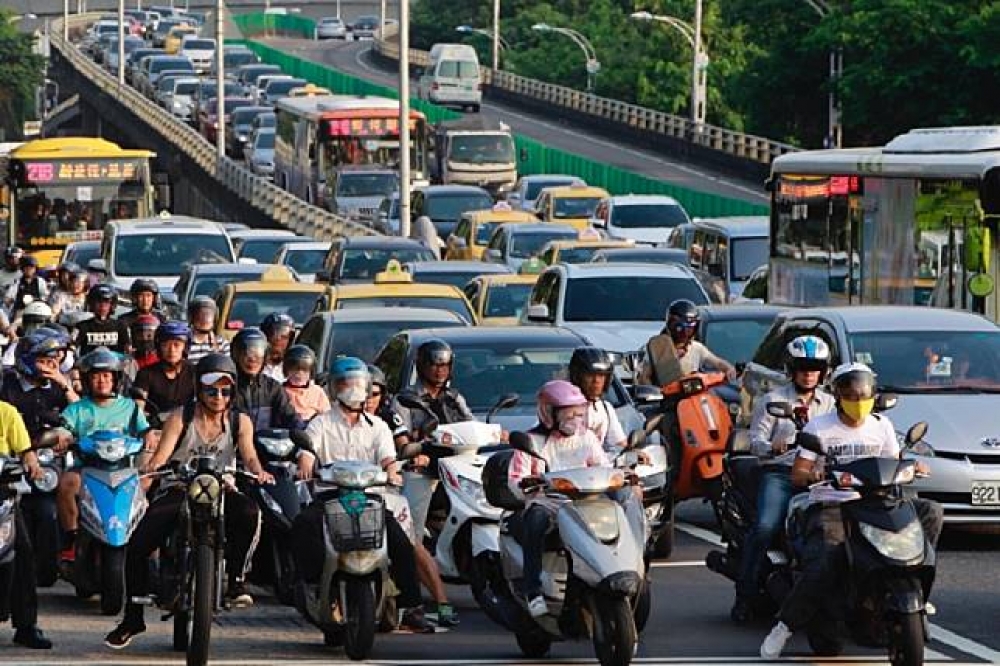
x,y
103,330
33,317
690,355
847,434
28,288
590,369
170,382
210,428
257,395
563,441
142,333
63,277
345,432
11,270
17,588
807,360
306,396
74,299
145,294
101,408
279,329
202,313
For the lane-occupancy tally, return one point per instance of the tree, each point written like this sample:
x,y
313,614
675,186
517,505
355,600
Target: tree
x,y
20,75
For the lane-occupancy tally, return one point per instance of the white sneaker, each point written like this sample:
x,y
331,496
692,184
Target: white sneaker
x,y
773,645
537,606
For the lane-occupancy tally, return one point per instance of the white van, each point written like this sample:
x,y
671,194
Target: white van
x,y
452,78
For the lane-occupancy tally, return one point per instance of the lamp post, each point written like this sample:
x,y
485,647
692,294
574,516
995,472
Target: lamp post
x,y
699,60
499,43
404,118
593,65
834,126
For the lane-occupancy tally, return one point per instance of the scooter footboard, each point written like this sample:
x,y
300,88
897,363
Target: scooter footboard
x,y
485,538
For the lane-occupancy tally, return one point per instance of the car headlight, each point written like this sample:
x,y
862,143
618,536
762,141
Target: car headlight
x,y
905,545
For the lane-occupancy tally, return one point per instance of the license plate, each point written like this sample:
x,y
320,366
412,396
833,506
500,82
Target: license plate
x,y
986,493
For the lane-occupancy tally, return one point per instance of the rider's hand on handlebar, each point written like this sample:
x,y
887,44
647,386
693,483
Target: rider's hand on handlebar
x,y
62,442
263,476
732,374
923,470
307,463
421,461
34,470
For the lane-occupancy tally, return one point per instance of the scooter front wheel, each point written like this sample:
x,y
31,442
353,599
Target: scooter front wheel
x,y
112,580
533,644
359,633
615,635
906,640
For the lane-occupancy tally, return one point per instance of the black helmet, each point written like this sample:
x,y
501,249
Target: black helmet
x,y
102,292
28,260
101,359
142,285
589,360
244,340
277,324
214,363
200,303
378,377
68,267
299,357
13,252
683,319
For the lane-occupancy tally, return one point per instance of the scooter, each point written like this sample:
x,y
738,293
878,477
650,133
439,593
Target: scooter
x,y
111,505
348,600
593,569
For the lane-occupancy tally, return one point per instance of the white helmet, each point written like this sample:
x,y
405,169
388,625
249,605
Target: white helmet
x,y
36,313
807,352
856,375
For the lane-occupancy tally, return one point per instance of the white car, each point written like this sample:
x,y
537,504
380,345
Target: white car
x,y
257,90
331,27
179,100
200,51
647,219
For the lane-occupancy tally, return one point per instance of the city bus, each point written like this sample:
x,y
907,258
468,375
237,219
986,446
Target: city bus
x,y
66,189
908,223
317,134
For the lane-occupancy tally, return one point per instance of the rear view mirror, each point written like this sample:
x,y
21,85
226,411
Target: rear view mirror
x,y
322,275
506,401
809,442
739,442
458,243
781,410
521,441
492,254
916,432
411,401
538,312
885,401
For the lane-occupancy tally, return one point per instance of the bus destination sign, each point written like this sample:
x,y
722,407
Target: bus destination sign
x,y
78,171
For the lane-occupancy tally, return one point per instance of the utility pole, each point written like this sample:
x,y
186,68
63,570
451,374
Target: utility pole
x,y
220,97
404,118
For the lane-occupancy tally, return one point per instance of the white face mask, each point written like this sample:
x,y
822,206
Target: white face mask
x,y
298,378
572,425
353,397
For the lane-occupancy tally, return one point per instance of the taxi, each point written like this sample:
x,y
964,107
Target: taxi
x,y
394,287
570,204
579,251
246,304
472,235
498,299
172,43
309,90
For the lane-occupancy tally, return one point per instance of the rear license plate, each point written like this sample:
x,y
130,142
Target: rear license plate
x,y
986,493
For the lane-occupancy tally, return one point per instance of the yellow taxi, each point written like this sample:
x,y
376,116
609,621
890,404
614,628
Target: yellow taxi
x,y
498,299
569,204
579,251
394,287
245,304
472,235
172,43
309,90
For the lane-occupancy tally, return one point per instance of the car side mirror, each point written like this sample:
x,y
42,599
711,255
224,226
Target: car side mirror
x,y
514,199
739,442
538,312
781,410
885,401
524,155
492,254
458,243
97,266
521,441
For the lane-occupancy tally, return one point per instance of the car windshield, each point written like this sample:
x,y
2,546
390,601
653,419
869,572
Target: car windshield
x,y
165,254
364,339
482,148
506,300
577,255
454,278
210,284
235,59
533,187
262,250
282,86
931,361
574,207
264,140
748,254
366,264
600,299
523,246
82,254
634,216
199,45
456,305
250,308
735,340
185,88
305,262
366,184
449,207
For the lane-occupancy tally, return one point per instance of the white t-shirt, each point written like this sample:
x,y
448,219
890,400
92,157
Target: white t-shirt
x,y
369,440
695,357
275,372
875,438
602,420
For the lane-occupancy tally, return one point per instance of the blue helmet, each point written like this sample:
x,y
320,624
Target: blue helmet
x,y
30,348
173,330
347,367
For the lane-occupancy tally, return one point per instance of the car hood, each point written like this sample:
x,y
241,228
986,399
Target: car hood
x,y
617,336
263,155
646,235
956,423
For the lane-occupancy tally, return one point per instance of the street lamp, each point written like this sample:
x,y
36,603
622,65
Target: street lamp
x,y
834,126
499,43
593,65
699,60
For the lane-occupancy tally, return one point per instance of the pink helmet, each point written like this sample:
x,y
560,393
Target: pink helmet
x,y
555,395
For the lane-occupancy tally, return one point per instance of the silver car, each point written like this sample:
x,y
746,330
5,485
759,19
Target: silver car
x,y
259,152
945,366
356,191
331,27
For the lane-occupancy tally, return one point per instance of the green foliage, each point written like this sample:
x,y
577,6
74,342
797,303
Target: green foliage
x,y
20,74
907,63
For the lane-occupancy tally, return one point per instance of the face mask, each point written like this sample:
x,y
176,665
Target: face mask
x,y
353,397
574,425
858,410
298,378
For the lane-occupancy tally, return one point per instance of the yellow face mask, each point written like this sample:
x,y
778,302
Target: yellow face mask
x,y
858,410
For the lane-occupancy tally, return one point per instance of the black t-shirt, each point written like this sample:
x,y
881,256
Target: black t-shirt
x,y
39,407
109,333
166,394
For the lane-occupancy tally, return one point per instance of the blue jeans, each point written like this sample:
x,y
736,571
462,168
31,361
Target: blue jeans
x,y
775,491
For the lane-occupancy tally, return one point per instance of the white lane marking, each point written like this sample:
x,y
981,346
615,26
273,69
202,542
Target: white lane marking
x,y
938,633
858,660
693,563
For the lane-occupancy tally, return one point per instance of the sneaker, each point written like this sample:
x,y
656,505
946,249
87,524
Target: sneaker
x,y
446,616
122,635
32,638
238,596
774,644
537,606
415,622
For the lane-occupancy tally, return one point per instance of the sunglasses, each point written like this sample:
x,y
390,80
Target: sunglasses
x,y
213,392
376,394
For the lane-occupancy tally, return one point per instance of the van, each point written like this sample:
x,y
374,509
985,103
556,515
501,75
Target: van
x,y
452,78
729,250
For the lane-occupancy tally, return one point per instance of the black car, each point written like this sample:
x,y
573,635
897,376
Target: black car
x,y
360,258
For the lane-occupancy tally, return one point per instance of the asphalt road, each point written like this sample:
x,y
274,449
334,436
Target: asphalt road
x,y
355,58
690,623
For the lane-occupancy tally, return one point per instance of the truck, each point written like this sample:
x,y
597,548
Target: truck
x,y
474,151
452,78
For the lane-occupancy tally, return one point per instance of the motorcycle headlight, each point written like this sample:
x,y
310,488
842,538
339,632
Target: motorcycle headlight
x,y
473,489
45,456
360,561
111,450
905,545
601,518
363,478
48,482
205,489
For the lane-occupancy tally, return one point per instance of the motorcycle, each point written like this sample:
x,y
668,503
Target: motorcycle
x,y
348,599
593,574
890,562
111,505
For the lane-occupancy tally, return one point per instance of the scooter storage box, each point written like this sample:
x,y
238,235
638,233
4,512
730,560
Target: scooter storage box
x,y
495,473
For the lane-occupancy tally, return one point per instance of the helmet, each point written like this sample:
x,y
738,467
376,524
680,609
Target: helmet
x,y
79,274
36,312
58,332
215,363
433,352
244,340
555,395
199,303
588,360
173,330
101,292
13,252
299,357
856,376
28,260
142,285
682,319
143,329
277,324
101,360
378,377
68,267
344,368
32,347
807,352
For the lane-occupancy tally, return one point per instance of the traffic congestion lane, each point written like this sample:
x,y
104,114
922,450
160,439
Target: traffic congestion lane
x,y
355,58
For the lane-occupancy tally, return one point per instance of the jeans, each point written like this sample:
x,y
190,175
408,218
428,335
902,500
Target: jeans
x,y
531,528
773,495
